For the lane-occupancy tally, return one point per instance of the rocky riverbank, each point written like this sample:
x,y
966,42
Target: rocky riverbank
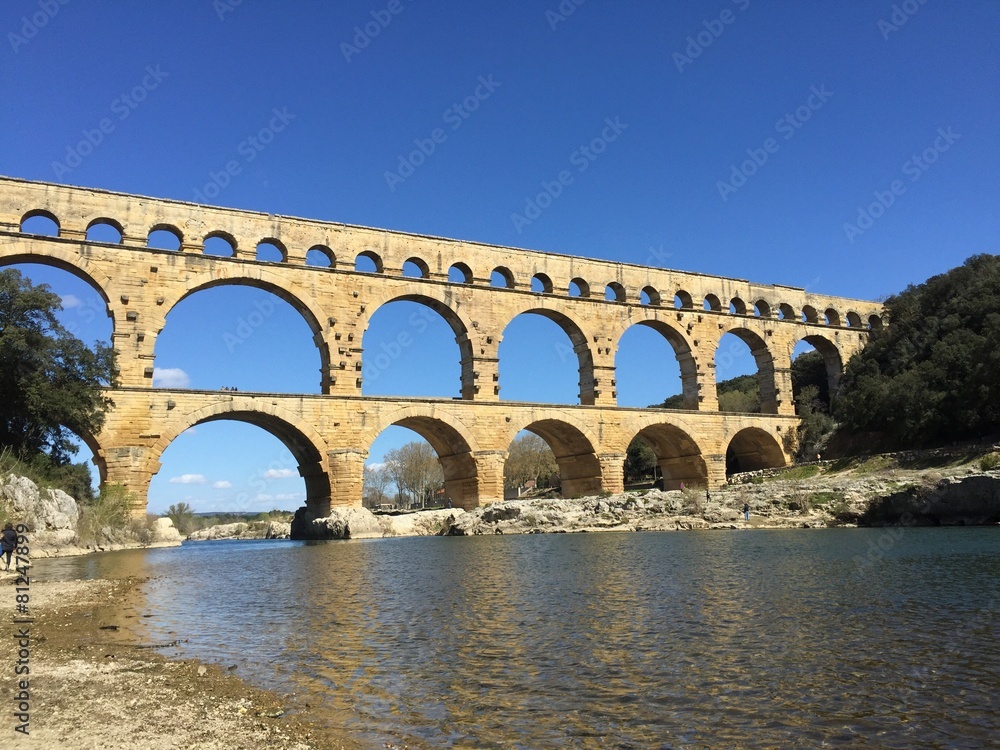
x,y
884,497
54,520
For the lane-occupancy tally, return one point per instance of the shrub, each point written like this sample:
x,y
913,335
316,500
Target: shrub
x,y
990,462
106,518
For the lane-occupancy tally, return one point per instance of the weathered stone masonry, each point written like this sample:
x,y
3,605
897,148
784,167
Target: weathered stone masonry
x,y
330,434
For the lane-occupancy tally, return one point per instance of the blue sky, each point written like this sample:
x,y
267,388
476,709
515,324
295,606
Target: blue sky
x,y
748,135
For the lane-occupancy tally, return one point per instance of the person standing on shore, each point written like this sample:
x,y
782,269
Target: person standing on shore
x,y
8,541
746,511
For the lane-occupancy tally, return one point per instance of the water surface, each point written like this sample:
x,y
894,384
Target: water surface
x,y
801,638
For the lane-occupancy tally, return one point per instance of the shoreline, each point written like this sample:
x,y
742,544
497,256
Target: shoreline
x,y
95,681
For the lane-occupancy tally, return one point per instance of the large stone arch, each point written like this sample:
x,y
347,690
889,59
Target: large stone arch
x,y
679,455
678,341
72,263
579,466
304,304
444,305
578,338
763,357
831,357
752,449
305,444
451,440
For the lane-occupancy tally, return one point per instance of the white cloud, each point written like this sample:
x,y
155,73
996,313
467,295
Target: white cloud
x,y
222,485
170,377
70,301
280,473
188,479
377,466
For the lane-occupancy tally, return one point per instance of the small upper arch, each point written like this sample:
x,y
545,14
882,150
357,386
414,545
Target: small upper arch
x,y
649,296
832,317
737,306
874,322
321,256
416,268
809,314
164,237
502,278
368,261
105,230
460,273
853,319
683,300
579,288
786,311
712,303
271,250
219,243
614,292
40,222
541,283
762,309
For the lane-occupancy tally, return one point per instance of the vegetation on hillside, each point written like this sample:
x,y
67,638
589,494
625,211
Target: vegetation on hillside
x,y
52,386
931,376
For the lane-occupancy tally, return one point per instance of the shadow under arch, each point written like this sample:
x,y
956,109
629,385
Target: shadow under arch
x,y
682,351
752,449
831,358
453,444
265,280
456,320
306,445
581,348
765,367
679,456
579,467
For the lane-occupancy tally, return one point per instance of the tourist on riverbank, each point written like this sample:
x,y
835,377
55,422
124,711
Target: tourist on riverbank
x,y
746,511
8,541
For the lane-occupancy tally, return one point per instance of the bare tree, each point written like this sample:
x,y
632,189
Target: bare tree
x,y
376,481
415,469
529,458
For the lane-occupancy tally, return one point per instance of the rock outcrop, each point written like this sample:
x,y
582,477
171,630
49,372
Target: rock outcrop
x,y
51,515
250,530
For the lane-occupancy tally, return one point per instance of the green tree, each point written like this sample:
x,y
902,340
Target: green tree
x,y
640,461
182,516
50,381
930,377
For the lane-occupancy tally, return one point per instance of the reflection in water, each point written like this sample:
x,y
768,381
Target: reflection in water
x,y
755,639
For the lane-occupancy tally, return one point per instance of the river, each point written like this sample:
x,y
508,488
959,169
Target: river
x,y
807,638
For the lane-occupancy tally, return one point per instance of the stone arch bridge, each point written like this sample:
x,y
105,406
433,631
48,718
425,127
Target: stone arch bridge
x,y
104,238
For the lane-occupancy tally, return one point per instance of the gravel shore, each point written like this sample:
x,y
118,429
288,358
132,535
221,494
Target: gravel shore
x,y
94,684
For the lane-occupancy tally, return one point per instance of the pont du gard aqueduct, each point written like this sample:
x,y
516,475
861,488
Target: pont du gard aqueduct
x,y
329,433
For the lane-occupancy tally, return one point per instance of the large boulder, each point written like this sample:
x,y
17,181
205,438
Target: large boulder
x,y
421,523
50,515
241,530
342,523
164,532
